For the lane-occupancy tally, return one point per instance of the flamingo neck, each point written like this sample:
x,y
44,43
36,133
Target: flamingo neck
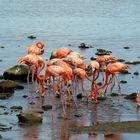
x,y
98,72
39,69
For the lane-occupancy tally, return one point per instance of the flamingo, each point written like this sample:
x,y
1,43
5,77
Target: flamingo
x,y
37,49
60,62
104,60
75,62
61,74
95,67
54,71
77,54
113,69
33,61
81,74
60,53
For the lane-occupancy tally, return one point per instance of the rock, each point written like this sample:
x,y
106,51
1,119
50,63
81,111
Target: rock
x,y
46,107
93,58
0,60
25,96
114,94
131,96
9,86
101,98
120,60
99,83
17,72
132,62
126,47
32,37
123,81
2,106
84,46
1,77
4,127
136,73
2,47
103,52
125,72
31,117
79,96
16,108
0,136
78,115
5,95
108,135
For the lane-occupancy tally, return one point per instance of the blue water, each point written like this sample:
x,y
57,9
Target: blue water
x,y
107,24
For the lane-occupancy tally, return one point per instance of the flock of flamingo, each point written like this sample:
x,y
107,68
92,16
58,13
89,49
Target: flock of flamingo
x,y
66,67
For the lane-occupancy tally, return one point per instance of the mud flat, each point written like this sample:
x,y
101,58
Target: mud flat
x,y
110,127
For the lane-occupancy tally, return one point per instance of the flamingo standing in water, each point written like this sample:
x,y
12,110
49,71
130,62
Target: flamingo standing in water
x,y
113,70
61,74
95,68
104,60
34,62
60,62
81,74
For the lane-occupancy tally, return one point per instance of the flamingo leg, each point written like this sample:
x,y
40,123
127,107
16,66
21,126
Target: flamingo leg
x,y
84,89
28,81
113,84
110,81
33,73
119,85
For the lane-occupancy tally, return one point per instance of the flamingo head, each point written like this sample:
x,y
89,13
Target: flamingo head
x,y
40,45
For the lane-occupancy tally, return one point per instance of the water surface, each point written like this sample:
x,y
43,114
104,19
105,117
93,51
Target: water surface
x,y
110,25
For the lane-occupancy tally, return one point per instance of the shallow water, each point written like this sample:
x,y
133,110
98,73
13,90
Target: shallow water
x,y
110,25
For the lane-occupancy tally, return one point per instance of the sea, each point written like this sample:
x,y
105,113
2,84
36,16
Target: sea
x,y
102,24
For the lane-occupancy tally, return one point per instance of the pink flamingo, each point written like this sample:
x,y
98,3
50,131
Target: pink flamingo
x,y
95,67
33,61
113,70
81,74
104,60
75,62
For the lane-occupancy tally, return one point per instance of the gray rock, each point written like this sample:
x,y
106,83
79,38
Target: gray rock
x,y
84,46
7,88
136,73
4,127
46,107
9,85
131,96
31,117
17,72
132,62
103,52
31,37
16,108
